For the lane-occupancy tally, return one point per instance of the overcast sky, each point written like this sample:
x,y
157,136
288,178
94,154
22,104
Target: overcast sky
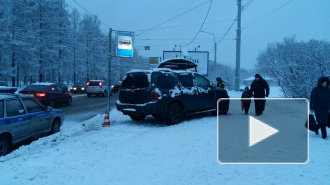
x,y
305,19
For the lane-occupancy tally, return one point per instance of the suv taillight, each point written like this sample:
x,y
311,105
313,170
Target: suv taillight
x,y
100,84
88,83
154,96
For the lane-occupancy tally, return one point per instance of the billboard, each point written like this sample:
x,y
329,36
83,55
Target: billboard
x,y
201,58
125,44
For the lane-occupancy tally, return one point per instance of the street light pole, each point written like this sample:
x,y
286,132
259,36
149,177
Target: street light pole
x,y
215,46
109,72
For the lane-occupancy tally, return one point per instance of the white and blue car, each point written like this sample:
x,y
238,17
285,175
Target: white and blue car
x,y
22,117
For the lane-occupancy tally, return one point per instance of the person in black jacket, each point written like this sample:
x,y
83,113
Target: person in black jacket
x,y
258,87
246,102
320,104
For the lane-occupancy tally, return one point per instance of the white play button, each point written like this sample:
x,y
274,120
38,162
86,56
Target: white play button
x,y
259,131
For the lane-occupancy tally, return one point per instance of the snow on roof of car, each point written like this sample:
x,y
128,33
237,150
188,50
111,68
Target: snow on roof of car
x,y
42,83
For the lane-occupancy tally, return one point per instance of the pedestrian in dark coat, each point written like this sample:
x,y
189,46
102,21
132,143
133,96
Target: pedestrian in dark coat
x,y
320,104
246,102
258,88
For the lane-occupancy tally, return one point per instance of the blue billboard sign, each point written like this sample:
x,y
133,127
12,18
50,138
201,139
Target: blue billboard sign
x,y
125,47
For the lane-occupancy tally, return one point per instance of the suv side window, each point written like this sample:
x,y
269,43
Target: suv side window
x,y
32,106
1,109
165,82
186,79
14,108
201,81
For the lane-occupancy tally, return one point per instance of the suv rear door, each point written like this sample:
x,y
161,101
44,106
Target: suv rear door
x,y
189,91
206,96
135,88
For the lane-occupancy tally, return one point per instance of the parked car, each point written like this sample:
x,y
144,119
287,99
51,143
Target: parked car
x,y
22,117
78,87
168,94
97,87
49,94
115,88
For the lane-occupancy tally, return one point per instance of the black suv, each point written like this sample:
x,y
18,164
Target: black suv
x,y
168,94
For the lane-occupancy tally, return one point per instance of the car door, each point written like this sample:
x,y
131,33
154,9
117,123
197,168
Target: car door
x,y
39,119
205,93
16,119
189,91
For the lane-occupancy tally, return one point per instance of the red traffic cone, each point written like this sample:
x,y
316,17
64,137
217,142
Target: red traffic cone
x,y
106,122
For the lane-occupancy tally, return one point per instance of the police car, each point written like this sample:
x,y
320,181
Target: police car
x,y
22,117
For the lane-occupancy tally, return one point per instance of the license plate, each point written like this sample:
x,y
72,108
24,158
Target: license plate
x,y
32,95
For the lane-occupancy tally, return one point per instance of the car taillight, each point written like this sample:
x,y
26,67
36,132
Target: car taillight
x,y
88,83
41,94
100,84
154,96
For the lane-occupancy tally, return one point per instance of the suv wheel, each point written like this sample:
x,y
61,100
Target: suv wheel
x,y
223,107
174,114
138,117
4,145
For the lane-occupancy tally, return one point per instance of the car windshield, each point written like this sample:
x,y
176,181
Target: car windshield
x,y
135,80
36,88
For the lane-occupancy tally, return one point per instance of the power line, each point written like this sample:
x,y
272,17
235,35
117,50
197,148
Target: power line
x,y
201,26
247,5
268,14
214,22
172,18
227,30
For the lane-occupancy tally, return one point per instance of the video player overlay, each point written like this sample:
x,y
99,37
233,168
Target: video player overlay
x,y
276,136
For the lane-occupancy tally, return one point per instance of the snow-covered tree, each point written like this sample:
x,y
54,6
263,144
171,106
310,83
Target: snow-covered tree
x,y
296,65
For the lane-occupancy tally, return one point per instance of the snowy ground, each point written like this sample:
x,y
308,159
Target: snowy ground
x,y
149,153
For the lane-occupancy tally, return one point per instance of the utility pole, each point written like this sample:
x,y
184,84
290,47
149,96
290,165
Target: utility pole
x,y
109,72
238,46
215,46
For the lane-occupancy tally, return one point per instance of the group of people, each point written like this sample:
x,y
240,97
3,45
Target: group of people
x,y
259,90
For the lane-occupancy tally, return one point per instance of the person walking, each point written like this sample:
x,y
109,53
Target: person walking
x,y
220,83
320,104
258,88
247,100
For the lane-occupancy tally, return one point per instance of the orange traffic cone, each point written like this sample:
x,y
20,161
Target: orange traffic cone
x,y
106,122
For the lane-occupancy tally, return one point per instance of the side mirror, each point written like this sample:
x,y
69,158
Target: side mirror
x,y
212,84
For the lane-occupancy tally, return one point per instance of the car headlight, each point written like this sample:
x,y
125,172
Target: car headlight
x,y
75,88
82,88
